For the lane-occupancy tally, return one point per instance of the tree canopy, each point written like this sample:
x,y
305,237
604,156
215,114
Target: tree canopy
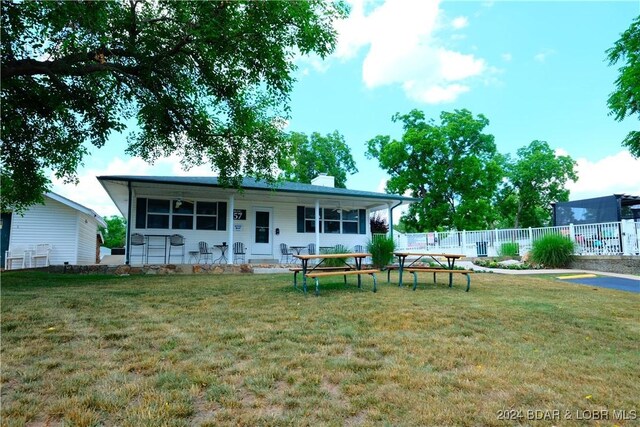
x,y
115,233
311,156
625,100
207,80
453,166
535,179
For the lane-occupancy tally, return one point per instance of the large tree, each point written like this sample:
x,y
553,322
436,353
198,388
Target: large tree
x,y
115,233
453,166
311,156
535,179
208,80
625,100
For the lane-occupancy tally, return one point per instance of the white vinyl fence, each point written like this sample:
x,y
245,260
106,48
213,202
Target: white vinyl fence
x,y
610,238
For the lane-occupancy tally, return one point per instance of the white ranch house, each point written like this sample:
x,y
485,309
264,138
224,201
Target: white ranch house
x,y
258,215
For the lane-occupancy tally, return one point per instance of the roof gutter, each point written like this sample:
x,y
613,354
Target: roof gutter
x,y
319,193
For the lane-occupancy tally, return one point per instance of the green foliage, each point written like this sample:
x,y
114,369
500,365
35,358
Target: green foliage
x,y
381,249
378,224
552,251
509,249
452,166
318,154
335,262
115,233
535,179
625,100
206,80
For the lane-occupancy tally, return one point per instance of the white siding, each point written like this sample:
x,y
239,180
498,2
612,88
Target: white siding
x,y
284,218
87,230
52,223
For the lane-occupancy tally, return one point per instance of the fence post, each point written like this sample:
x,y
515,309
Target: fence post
x,y
572,232
497,245
464,242
622,233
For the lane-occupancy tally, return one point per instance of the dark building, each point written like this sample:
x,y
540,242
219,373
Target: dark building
x,y
597,210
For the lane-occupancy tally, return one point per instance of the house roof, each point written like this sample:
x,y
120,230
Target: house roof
x,y
249,186
76,206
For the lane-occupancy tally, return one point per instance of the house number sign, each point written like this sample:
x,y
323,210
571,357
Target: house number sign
x,y
239,214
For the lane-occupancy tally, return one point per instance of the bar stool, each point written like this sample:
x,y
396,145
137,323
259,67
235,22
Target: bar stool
x,y
176,240
138,239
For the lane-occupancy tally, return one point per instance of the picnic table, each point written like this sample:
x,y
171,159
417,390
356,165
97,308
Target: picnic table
x,y
402,259
319,270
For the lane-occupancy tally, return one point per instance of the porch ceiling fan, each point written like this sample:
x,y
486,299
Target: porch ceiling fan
x,y
179,201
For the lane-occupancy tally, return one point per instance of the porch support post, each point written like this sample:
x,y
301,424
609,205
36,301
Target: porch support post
x,y
231,227
390,220
317,226
128,243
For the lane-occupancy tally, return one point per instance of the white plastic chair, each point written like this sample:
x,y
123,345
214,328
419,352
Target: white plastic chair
x,y
13,254
42,252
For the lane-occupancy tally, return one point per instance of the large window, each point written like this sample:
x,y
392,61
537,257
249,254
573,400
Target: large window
x,y
332,220
180,214
310,220
207,216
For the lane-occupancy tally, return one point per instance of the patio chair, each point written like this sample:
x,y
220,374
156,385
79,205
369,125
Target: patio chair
x,y
205,252
285,253
238,251
358,249
42,252
13,254
138,240
177,241
311,248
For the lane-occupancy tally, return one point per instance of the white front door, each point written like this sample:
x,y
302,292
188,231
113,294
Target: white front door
x,y
262,231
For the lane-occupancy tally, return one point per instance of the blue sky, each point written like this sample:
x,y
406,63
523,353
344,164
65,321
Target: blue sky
x,y
536,70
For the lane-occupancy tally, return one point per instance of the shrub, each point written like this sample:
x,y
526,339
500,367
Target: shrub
x,y
511,249
381,249
552,251
335,262
378,224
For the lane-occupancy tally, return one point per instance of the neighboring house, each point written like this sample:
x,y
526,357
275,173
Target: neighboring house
x,y
260,216
70,228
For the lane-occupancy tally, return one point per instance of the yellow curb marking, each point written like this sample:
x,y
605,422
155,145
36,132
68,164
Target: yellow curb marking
x,y
577,276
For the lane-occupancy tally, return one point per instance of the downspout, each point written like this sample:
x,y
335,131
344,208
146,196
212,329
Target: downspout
x,y
391,218
128,248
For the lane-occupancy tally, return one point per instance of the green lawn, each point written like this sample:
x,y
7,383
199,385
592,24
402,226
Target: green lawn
x,y
249,350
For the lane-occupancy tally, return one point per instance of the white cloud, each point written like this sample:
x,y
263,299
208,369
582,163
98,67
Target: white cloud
x,y
460,22
616,174
507,57
403,49
542,56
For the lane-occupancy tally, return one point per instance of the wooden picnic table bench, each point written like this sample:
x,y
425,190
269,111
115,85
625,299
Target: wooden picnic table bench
x,y
393,267
297,270
415,271
316,274
417,256
355,268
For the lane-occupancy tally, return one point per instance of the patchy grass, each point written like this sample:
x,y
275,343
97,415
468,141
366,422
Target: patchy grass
x,y
249,350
